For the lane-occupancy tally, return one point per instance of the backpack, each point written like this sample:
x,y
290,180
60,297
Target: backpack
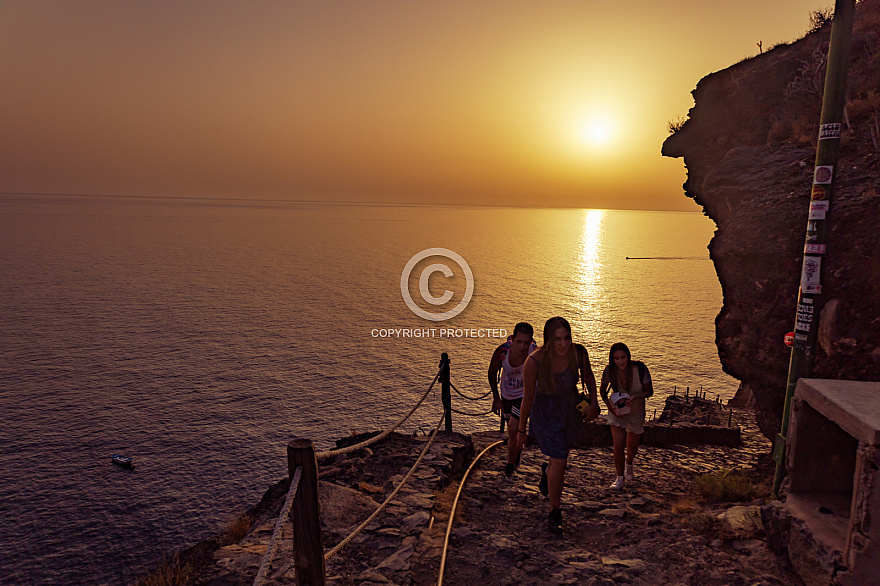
x,y
505,348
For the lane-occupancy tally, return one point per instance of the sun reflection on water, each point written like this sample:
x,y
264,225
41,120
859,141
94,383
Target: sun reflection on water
x,y
590,297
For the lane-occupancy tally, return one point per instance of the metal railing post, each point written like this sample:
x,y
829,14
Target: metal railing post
x,y
446,395
305,515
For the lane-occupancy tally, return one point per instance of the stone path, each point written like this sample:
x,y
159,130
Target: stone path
x,y
654,532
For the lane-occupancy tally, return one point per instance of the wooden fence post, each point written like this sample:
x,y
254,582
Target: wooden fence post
x,y
305,514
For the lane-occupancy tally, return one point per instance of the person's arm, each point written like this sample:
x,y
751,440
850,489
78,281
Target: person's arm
x,y
603,390
588,379
647,385
494,367
530,378
645,382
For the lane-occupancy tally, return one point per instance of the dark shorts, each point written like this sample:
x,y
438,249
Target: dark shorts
x,y
511,407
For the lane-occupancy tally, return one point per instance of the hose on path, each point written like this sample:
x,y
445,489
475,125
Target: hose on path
x,y
452,511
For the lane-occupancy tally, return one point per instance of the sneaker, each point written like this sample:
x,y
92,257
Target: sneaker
x,y
629,471
508,470
555,520
542,486
618,484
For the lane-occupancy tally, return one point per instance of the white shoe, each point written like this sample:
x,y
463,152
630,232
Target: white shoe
x,y
629,471
618,484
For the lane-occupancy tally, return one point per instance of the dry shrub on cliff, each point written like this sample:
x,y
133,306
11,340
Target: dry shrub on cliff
x,y
819,18
239,528
726,486
169,573
676,124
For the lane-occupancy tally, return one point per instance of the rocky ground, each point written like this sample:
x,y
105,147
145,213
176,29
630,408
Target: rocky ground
x,y
656,531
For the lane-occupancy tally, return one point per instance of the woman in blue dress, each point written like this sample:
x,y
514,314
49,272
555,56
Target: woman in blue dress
x,y
550,397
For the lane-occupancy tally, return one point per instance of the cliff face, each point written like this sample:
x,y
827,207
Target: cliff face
x,y
749,148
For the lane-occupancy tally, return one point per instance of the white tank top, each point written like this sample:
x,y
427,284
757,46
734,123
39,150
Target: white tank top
x,y
511,379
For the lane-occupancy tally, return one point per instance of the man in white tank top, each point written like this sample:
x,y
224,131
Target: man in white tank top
x,y
509,359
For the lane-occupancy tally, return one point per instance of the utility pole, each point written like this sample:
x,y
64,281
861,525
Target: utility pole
x,y
824,176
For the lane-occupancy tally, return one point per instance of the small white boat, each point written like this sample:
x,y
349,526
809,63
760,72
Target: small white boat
x,y
123,461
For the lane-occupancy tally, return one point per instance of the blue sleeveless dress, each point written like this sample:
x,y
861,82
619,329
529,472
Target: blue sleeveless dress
x,y
555,421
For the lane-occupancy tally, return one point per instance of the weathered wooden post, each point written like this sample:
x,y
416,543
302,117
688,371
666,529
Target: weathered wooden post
x,y
445,394
305,514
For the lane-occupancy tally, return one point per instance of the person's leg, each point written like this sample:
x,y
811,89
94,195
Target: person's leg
x,y
513,431
632,445
619,435
555,479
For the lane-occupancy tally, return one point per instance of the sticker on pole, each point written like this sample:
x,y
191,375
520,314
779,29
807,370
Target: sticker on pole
x,y
818,209
789,339
829,131
810,277
823,174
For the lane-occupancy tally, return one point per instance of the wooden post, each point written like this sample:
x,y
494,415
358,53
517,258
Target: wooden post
x,y
446,394
305,514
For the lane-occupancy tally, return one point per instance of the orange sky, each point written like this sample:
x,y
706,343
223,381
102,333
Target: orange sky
x,y
467,102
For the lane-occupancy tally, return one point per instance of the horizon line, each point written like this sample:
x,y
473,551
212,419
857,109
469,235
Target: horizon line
x,y
333,202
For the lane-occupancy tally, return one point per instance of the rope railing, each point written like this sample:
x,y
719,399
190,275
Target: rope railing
x,y
269,556
381,436
469,398
391,496
472,414
452,511
302,506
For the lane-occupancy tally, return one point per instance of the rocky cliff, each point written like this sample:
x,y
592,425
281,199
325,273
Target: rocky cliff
x,y
749,148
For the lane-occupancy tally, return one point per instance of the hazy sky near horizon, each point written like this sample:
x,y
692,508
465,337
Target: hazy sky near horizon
x,y
553,103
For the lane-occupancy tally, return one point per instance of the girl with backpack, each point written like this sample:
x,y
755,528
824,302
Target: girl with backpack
x,y
630,383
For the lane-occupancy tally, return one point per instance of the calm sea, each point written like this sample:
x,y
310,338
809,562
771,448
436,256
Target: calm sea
x,y
200,336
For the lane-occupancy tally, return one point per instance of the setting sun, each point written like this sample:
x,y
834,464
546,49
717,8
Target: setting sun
x,y
596,132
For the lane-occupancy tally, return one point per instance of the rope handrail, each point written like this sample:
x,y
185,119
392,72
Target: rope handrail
x,y
452,511
269,556
469,398
381,436
391,496
471,414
